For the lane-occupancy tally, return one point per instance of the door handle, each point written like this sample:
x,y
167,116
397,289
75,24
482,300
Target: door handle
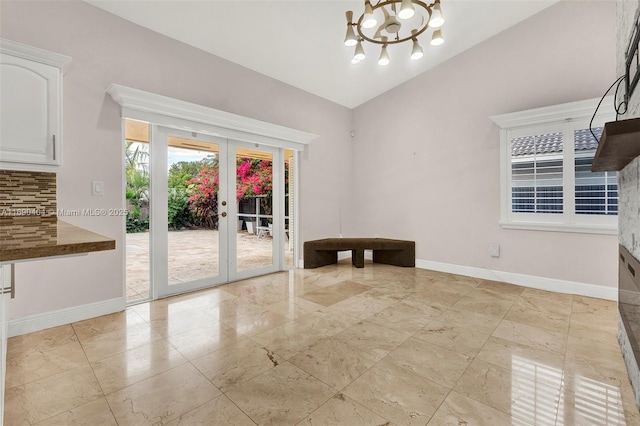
x,y
224,203
13,280
223,214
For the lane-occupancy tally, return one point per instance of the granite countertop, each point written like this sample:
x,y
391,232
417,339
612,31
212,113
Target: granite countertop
x,y
28,238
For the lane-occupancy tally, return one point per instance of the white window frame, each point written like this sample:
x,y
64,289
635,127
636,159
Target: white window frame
x,y
565,118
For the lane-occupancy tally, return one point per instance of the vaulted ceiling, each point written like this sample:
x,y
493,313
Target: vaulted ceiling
x,y
300,42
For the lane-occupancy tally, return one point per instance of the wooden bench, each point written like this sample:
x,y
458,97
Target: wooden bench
x,y
391,252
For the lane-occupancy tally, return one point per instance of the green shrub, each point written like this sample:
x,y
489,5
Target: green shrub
x,y
134,223
179,213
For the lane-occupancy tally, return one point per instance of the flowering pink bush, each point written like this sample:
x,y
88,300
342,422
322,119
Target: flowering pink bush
x,y
203,195
253,178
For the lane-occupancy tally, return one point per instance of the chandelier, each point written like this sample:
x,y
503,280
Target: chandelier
x,y
393,22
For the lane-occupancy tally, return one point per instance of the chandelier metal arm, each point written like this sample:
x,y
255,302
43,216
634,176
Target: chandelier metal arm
x,y
416,14
427,8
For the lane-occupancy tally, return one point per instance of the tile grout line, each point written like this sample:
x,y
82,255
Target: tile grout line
x,y
366,319
469,366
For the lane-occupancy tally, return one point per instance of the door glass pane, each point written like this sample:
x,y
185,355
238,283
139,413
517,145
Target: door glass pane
x,y
192,185
137,196
254,190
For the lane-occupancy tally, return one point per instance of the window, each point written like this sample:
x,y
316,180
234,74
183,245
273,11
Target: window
x,y
546,178
596,192
536,173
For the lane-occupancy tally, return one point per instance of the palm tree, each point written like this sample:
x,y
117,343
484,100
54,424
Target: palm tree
x,y
137,173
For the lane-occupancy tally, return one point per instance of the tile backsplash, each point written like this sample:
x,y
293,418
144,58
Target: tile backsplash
x,y
27,193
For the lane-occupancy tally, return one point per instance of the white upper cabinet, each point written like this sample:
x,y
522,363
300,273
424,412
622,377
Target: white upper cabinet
x,y
30,107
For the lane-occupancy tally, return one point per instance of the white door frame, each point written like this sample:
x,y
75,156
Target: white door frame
x,y
159,254
227,239
277,210
157,109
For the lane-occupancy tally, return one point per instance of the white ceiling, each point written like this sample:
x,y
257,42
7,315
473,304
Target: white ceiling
x,y
300,42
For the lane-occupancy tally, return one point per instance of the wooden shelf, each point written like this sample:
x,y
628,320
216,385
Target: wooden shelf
x,y
619,145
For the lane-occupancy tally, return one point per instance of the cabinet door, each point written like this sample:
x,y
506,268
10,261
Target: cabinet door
x,y
29,111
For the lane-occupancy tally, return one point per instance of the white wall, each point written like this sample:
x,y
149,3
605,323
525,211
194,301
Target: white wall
x,y
106,49
426,160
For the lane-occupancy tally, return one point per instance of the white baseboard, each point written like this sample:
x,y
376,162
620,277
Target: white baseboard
x,y
344,255
39,322
541,283
532,281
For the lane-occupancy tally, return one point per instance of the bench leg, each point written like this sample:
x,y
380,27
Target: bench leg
x,y
357,258
404,257
318,258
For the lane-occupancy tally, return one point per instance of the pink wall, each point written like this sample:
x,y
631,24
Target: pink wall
x,y
106,49
430,172
426,155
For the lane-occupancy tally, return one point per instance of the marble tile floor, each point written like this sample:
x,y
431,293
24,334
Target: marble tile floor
x,y
331,346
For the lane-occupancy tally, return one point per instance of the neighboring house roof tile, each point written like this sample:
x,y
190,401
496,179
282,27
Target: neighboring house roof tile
x,y
552,142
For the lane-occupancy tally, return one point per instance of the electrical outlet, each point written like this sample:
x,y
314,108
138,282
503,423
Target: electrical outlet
x,y
494,250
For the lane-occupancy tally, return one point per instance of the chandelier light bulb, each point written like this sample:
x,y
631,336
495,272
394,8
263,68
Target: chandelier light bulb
x,y
403,21
350,38
384,55
368,20
437,39
437,18
416,52
406,10
359,53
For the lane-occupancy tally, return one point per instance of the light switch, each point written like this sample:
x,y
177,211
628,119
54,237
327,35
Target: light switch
x,y
97,188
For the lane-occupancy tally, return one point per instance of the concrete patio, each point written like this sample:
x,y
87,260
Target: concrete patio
x,y
193,255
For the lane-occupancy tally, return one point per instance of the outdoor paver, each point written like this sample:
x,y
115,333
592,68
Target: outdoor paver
x,y
193,255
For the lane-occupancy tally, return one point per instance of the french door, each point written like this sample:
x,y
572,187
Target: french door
x,y
220,176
